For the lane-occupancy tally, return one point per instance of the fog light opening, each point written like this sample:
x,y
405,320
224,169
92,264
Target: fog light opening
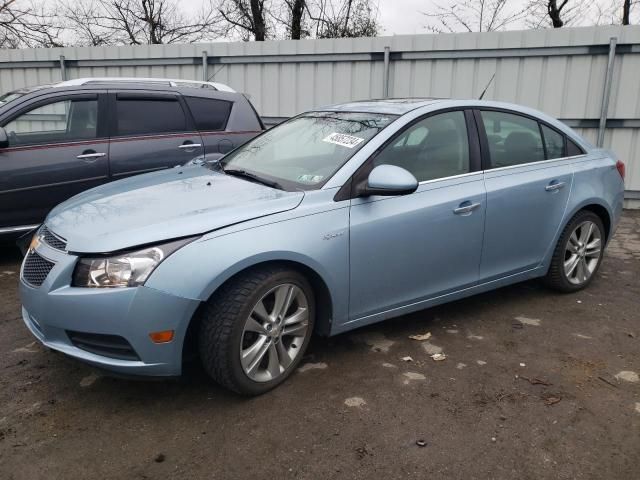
x,y
164,336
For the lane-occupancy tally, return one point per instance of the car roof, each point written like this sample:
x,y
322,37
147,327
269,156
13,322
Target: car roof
x,y
396,106
402,106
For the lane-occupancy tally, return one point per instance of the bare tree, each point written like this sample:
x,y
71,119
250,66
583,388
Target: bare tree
x,y
474,16
626,11
296,15
556,13
344,18
249,17
27,25
136,22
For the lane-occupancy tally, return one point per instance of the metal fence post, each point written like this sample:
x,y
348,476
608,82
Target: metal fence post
x,y
606,91
63,69
385,80
205,66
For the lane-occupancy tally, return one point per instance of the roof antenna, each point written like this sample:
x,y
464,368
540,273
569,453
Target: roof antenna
x,y
487,87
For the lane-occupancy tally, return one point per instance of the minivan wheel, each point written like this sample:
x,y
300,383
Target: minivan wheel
x,y
578,253
255,329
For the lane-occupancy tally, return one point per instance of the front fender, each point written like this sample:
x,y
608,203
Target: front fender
x,y
319,242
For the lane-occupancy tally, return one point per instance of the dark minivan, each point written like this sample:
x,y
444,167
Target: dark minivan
x,y
58,140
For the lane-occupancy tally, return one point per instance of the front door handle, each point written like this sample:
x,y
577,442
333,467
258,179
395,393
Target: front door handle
x,y
189,146
465,208
90,155
553,186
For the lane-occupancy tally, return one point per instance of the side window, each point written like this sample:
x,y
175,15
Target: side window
x,y
435,147
61,121
513,139
209,113
553,142
573,149
143,116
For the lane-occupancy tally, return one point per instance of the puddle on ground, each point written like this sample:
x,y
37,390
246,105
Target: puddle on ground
x,y
529,321
312,366
355,402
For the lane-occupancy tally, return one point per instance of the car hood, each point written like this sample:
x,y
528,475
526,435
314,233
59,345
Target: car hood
x,y
160,206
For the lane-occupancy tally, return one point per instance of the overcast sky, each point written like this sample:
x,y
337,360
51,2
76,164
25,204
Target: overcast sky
x,y
402,16
406,16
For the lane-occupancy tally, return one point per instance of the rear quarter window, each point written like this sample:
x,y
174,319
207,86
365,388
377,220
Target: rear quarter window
x,y
553,142
573,149
209,113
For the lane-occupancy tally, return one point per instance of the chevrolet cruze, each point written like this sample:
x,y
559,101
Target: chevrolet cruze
x,y
335,219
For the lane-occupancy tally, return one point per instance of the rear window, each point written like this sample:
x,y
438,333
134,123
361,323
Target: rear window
x,y
141,116
209,113
513,139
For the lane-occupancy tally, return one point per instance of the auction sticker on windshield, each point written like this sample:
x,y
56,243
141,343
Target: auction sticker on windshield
x,y
343,139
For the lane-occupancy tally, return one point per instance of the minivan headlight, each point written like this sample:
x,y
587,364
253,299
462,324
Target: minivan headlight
x,y
128,269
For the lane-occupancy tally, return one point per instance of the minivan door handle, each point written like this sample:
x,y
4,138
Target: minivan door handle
x,y
189,146
554,185
90,155
466,208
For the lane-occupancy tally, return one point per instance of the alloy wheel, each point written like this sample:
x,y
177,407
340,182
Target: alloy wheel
x,y
274,332
582,252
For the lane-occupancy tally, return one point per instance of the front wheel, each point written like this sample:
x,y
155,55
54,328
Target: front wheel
x,y
254,331
578,253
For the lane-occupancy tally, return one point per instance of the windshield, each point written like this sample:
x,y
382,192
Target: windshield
x,y
307,150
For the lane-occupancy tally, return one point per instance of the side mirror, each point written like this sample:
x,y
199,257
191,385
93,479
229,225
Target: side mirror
x,y
4,138
389,180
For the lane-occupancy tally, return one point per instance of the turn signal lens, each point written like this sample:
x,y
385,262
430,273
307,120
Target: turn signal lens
x,y
161,337
35,241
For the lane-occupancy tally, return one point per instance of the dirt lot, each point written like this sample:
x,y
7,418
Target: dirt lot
x,y
531,388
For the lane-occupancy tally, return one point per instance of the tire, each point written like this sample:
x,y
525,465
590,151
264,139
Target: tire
x,y
232,325
558,278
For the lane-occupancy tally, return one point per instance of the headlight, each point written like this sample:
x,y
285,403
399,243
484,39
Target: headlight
x,y
128,269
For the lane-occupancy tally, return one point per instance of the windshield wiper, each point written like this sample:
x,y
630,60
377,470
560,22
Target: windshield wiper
x,y
252,176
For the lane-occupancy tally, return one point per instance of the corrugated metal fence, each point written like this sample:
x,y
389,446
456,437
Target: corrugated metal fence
x,y
566,73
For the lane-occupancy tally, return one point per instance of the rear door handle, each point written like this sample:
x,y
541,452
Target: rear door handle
x,y
91,155
465,208
553,186
187,146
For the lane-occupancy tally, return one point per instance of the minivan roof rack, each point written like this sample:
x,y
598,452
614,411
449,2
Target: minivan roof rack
x,y
172,82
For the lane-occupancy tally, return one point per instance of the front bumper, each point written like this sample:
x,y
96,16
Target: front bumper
x,y
54,309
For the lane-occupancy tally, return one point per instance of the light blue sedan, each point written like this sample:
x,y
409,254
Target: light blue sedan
x,y
335,219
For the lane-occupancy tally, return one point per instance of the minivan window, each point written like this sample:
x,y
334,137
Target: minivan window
x,y
61,121
209,113
553,142
307,150
435,147
513,139
144,116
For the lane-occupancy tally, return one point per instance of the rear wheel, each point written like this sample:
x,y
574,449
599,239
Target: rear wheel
x,y
578,253
254,331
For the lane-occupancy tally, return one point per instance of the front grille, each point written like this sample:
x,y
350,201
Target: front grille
x,y
53,240
112,346
35,269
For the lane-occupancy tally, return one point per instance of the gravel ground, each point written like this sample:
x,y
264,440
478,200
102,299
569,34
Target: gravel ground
x,y
535,385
